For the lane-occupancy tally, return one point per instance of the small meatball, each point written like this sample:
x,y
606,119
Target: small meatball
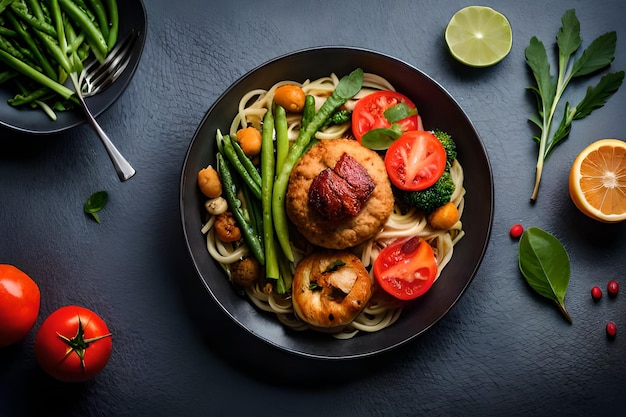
x,y
290,97
245,272
249,139
444,217
209,182
226,227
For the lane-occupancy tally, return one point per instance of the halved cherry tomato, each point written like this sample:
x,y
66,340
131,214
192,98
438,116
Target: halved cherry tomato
x,y
19,304
369,111
73,344
406,269
415,161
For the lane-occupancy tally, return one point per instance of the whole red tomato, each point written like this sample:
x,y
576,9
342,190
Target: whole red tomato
x,y
19,304
73,344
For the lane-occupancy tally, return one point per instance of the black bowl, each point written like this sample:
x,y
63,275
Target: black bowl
x,y
438,109
33,121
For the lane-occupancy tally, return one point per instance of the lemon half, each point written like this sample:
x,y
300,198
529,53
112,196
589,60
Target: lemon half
x,y
479,36
597,181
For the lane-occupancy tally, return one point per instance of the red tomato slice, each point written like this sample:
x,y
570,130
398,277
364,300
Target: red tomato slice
x,y
406,269
415,161
368,113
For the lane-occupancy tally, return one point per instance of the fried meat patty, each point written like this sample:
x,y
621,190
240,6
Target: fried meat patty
x,y
349,231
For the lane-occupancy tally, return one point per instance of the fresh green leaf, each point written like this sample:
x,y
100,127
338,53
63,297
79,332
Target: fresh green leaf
x,y
398,112
95,203
550,89
599,54
598,96
314,286
349,85
381,138
537,60
545,264
568,37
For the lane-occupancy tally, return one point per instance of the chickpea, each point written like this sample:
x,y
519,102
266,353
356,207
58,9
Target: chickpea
x,y
245,272
249,138
209,182
216,206
291,97
226,227
444,217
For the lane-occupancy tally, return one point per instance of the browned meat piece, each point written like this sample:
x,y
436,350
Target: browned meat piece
x,y
350,170
323,196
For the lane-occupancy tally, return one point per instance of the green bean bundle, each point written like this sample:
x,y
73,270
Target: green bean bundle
x,y
45,42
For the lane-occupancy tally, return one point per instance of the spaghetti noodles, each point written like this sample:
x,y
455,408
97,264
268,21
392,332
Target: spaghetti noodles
x,y
382,309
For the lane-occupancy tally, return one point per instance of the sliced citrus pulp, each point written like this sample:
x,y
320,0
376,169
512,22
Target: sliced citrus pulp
x,y
479,36
597,181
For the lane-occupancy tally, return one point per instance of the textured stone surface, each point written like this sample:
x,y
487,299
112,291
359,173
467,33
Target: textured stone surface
x,y
502,350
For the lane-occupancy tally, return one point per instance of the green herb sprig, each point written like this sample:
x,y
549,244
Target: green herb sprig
x,y
545,264
95,203
549,89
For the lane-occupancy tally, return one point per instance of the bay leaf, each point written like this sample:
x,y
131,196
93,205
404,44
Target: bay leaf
x,y
545,264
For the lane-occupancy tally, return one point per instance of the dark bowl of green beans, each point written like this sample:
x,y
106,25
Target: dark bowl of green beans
x,y
438,109
29,42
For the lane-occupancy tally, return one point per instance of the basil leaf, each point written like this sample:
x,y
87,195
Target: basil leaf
x,y
545,264
398,112
95,203
380,139
349,85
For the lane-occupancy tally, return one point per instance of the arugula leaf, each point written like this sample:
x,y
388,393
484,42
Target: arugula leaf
x,y
550,89
545,264
95,203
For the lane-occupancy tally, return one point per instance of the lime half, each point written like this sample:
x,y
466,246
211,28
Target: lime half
x,y
479,36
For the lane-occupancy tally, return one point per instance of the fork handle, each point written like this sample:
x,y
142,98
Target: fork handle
x,y
123,168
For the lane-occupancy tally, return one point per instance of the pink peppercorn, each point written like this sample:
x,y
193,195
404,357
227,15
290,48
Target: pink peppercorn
x,y
612,288
516,231
596,293
611,329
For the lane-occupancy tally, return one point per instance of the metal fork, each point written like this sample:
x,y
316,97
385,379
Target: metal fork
x,y
96,77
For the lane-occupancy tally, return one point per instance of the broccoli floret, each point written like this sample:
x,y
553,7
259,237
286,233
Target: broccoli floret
x,y
337,118
448,144
432,197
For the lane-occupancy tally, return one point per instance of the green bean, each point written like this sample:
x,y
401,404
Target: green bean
x,y
7,32
231,155
32,45
33,21
114,23
30,97
100,14
29,71
348,86
94,36
246,161
7,75
282,140
267,175
230,194
308,112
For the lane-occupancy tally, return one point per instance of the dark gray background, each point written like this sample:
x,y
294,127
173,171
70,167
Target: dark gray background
x,y
502,350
